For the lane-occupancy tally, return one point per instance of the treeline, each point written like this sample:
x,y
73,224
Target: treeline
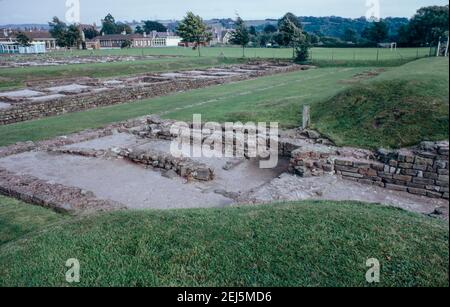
x,y
423,29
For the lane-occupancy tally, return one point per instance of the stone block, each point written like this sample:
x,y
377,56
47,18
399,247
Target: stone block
x,y
395,187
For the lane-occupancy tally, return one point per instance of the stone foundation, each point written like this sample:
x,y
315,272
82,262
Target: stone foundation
x,y
50,195
184,167
422,170
23,111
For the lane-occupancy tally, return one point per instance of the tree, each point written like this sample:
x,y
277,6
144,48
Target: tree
x,y
350,35
72,36
109,25
58,31
126,44
269,28
291,31
123,28
23,40
150,26
139,30
90,33
240,36
252,31
192,29
377,33
428,24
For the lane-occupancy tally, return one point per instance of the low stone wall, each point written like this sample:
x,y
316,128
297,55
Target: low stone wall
x,y
184,167
423,170
55,196
34,110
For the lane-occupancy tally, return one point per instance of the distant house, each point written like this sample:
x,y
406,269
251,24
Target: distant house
x,y
36,36
155,39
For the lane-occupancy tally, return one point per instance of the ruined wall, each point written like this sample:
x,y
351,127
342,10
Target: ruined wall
x,y
423,170
51,195
184,167
34,110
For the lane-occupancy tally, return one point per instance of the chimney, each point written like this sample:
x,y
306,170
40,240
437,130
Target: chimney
x,y
145,34
5,33
124,33
103,33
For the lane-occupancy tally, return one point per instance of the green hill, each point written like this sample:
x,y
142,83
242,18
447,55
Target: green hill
x,y
400,107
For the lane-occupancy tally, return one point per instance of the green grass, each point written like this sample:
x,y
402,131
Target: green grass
x,y
17,77
324,57
399,108
347,54
273,98
402,106
294,244
18,219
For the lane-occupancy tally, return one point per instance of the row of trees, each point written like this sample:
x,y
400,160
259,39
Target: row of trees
x,y
290,33
422,29
66,36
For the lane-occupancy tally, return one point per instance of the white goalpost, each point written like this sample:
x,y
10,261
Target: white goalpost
x,y
393,46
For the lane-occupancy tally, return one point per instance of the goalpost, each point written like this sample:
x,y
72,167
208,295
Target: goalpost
x,y
393,46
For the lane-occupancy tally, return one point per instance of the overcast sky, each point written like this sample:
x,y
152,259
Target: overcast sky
x,y
41,11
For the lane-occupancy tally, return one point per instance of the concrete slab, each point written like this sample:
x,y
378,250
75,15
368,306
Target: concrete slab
x,y
292,188
4,105
71,88
25,93
46,97
118,180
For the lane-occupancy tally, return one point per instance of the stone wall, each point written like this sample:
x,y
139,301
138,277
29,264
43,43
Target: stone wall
x,y
50,195
422,170
33,110
184,167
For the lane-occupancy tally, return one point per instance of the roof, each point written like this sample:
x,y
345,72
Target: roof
x,y
119,36
31,35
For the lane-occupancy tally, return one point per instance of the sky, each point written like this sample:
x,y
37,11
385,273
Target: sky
x,y
41,11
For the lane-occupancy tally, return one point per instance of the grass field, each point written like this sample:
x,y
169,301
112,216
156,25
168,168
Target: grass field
x,y
347,54
276,97
16,77
295,244
325,57
280,98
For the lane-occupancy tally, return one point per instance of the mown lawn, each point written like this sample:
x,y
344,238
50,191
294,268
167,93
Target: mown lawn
x,y
17,77
339,54
292,244
273,98
402,106
399,108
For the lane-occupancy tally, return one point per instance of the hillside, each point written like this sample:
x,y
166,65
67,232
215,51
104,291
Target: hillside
x,y
295,244
401,107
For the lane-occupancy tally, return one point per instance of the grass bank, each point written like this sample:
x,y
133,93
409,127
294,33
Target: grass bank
x,y
294,244
399,108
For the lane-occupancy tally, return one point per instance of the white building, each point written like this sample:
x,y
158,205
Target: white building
x,y
15,48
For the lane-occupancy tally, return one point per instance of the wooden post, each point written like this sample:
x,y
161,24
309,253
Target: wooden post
x,y
306,117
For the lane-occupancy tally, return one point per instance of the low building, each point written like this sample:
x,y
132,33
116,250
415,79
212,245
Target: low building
x,y
15,48
35,36
155,39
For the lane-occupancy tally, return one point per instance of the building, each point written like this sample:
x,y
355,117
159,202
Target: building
x,y
155,39
35,36
15,48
